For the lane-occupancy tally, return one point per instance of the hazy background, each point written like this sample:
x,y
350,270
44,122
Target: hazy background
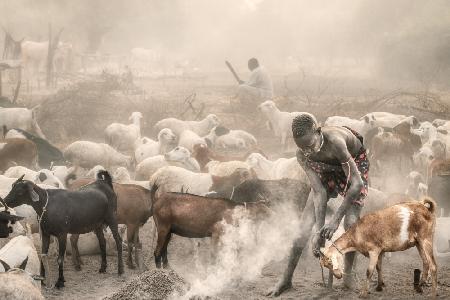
x,y
403,39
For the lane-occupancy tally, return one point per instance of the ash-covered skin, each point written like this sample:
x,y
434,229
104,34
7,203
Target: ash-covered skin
x,y
334,148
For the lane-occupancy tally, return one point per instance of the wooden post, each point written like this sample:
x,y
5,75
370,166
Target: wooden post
x,y
19,82
48,78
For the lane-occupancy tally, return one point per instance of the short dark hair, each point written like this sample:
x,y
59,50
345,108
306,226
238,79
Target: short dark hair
x,y
303,124
253,61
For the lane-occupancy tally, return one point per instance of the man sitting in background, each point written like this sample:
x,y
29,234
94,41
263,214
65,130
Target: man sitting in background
x,y
257,88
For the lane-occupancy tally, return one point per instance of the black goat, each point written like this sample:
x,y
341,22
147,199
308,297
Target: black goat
x,y
275,191
6,219
61,212
47,153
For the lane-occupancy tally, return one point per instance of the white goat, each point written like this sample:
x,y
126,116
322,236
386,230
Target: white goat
x,y
278,169
43,176
124,137
189,138
279,121
179,156
22,118
88,154
149,147
201,128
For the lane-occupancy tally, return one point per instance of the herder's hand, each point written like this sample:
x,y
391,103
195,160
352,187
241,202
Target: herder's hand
x,y
328,230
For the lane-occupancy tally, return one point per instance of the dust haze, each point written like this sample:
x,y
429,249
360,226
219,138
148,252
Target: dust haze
x,y
400,40
166,59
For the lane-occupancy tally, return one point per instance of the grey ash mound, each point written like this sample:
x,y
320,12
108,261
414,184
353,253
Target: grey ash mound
x,y
154,284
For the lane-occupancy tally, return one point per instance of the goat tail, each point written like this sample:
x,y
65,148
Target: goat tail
x,y
153,191
105,176
430,204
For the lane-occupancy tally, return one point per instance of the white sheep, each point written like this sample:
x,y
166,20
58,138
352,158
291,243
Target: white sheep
x,y
179,156
279,121
389,120
202,127
149,147
18,284
361,126
124,137
88,154
176,179
189,138
225,168
278,169
22,118
16,251
222,137
62,171
42,176
92,173
121,175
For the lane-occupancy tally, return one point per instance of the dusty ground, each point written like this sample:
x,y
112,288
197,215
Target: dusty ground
x,y
166,98
398,270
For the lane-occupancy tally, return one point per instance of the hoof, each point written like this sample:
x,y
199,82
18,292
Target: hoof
x,y
78,268
120,271
379,288
59,284
364,294
279,289
418,288
102,270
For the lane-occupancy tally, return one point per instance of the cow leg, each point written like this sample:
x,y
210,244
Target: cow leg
x,y
76,259
162,236
44,250
115,232
102,243
164,252
62,239
131,231
138,249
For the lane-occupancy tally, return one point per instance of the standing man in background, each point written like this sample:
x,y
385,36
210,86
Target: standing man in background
x,y
257,88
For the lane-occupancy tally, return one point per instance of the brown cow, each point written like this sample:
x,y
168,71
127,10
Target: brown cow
x,y
20,152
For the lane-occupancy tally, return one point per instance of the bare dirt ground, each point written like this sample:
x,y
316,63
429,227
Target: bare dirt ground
x,y
70,115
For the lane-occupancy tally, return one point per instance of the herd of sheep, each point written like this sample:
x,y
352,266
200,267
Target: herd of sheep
x,y
201,158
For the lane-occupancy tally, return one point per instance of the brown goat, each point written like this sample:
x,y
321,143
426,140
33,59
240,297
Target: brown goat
x,y
194,216
20,152
203,154
392,229
134,208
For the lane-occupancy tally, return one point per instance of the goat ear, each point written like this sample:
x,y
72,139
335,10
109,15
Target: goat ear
x,y
20,178
34,196
366,119
443,131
